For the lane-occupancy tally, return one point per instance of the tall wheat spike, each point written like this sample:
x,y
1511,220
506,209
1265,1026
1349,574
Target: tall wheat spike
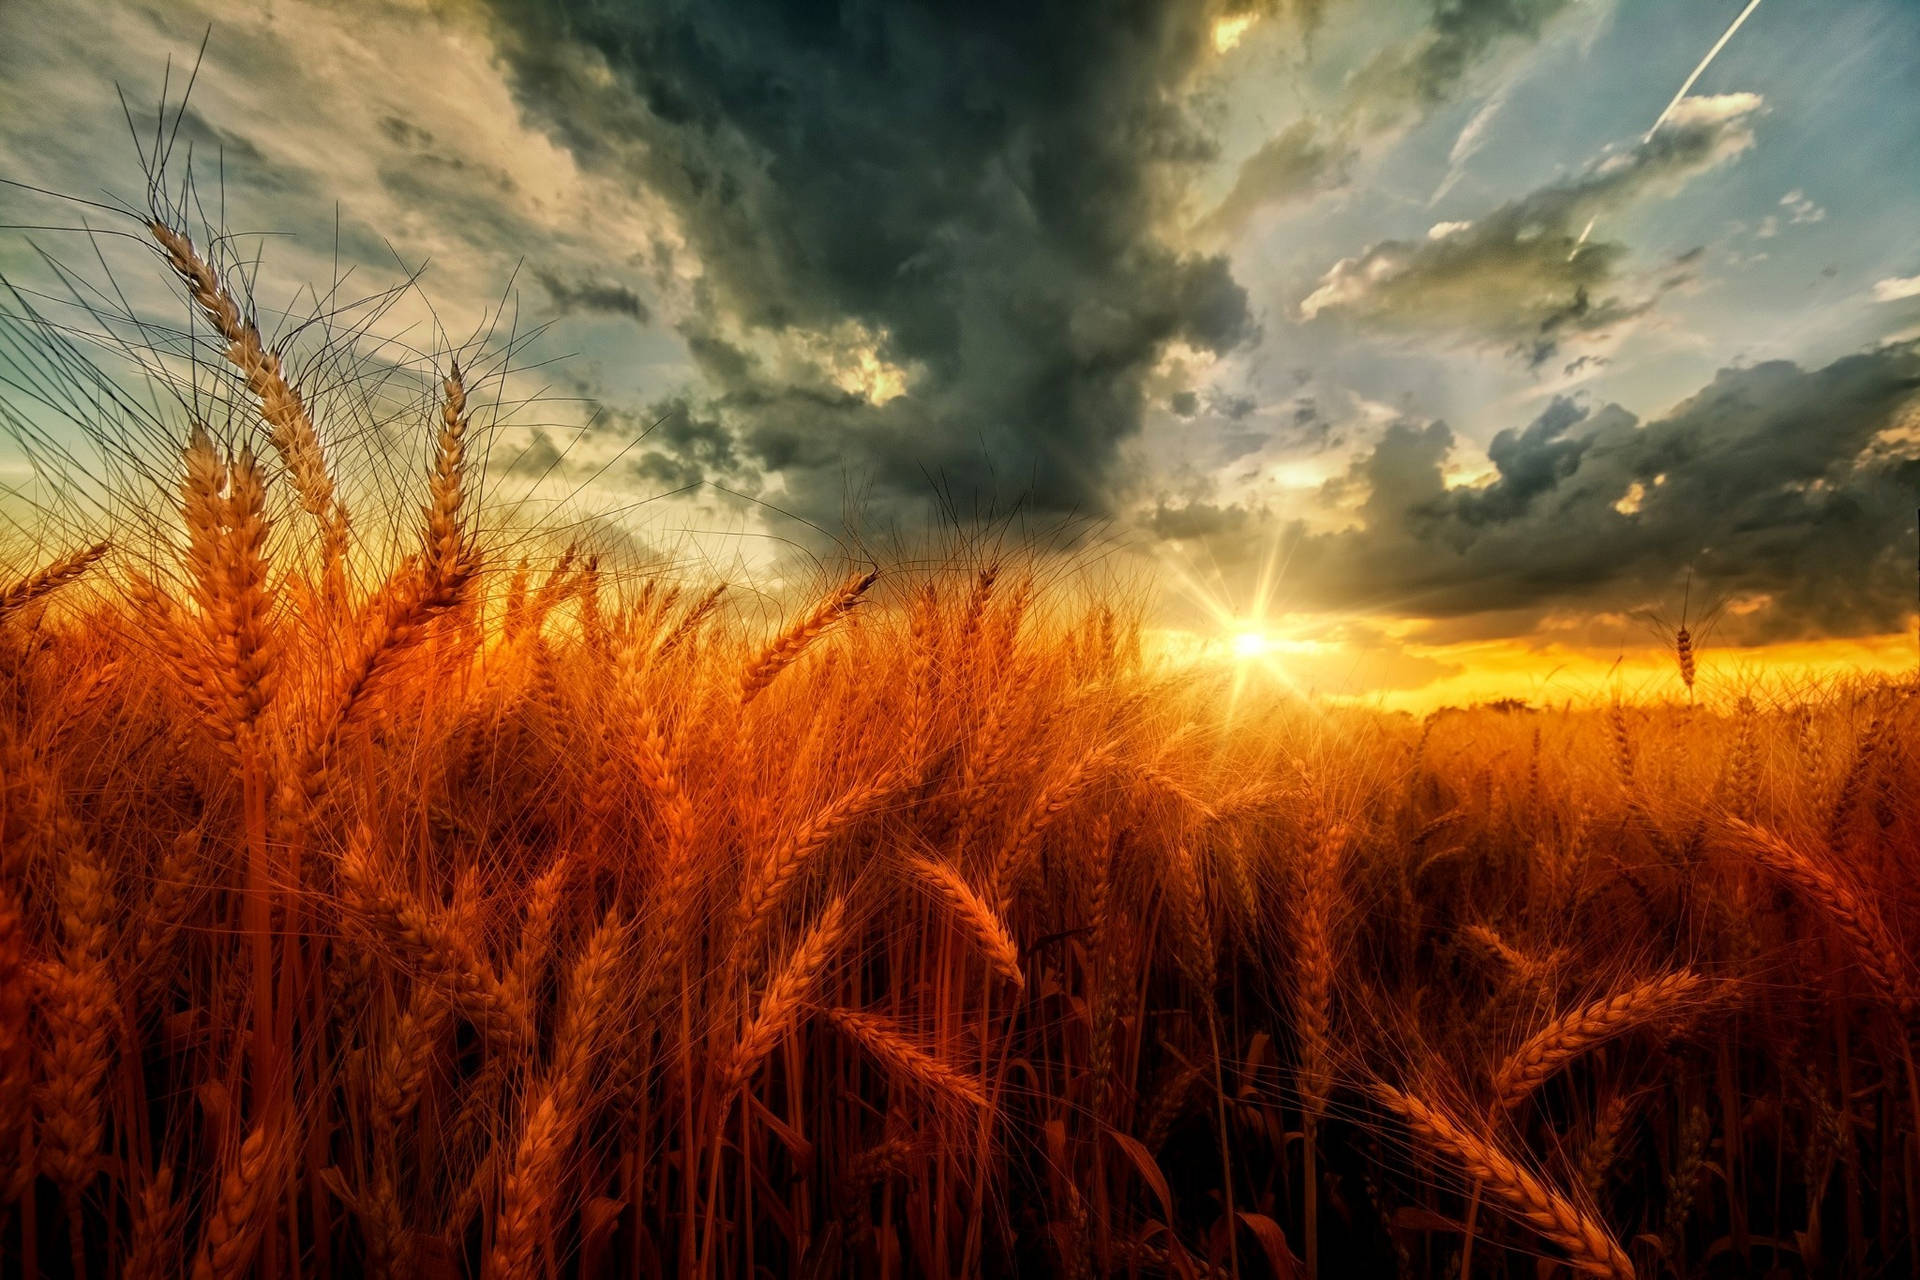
x,y
781,1004
792,642
444,552
1886,965
1556,1219
1574,1032
247,1193
908,1061
289,425
45,581
557,1108
974,914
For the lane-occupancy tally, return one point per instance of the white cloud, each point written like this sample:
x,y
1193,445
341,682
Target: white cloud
x,y
1894,288
1527,276
1800,208
1714,108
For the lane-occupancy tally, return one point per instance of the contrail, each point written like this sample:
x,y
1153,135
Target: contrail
x,y
1583,237
1712,53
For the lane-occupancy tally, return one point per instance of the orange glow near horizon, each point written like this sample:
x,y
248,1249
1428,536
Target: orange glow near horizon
x,y
1418,678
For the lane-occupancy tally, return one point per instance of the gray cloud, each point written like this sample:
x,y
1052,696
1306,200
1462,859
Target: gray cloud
x,y
986,188
1790,487
1529,277
602,297
1297,163
1409,79
1397,88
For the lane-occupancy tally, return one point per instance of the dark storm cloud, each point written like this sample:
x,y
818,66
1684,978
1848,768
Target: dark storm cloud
x,y
985,185
570,296
1777,482
1529,277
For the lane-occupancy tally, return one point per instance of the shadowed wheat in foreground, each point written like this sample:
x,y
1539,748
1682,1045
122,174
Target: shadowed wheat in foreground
x,y
463,915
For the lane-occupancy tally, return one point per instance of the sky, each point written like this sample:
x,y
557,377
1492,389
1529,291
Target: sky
x,y
1438,342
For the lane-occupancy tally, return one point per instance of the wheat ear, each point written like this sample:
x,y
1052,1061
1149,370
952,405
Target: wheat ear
x,y
1009,864
1518,964
1588,1245
784,998
80,996
223,503
886,1042
551,1121
153,1248
973,913
1576,1031
444,552
1313,942
791,643
289,425
1852,917
769,883
245,1198
50,579
16,1056
440,950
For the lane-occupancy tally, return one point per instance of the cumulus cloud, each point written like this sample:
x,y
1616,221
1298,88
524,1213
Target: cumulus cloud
x,y
1788,488
1529,276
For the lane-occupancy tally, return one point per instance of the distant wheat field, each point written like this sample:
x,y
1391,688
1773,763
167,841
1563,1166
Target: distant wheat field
x,y
381,896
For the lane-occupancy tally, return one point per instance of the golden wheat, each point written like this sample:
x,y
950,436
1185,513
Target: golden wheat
x,y
1588,1246
517,910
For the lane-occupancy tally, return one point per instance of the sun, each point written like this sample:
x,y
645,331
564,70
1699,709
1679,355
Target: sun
x,y
1250,643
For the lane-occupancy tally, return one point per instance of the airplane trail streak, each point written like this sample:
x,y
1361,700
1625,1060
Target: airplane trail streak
x,y
1712,53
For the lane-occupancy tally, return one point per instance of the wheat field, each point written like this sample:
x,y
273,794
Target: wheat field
x,y
437,904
